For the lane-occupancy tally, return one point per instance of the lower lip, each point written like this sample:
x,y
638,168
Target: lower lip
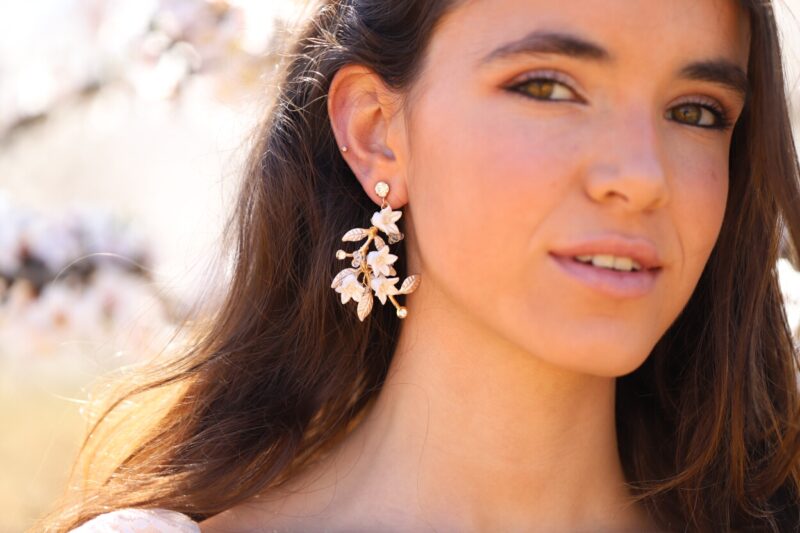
x,y
613,283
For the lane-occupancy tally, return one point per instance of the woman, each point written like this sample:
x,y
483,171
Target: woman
x,y
593,195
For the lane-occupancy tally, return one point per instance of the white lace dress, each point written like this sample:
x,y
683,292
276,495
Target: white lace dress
x,y
140,521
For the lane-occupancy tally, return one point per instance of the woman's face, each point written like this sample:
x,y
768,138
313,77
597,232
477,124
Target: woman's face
x,y
541,131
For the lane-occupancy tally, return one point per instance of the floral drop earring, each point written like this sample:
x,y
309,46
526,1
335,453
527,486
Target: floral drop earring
x,y
372,271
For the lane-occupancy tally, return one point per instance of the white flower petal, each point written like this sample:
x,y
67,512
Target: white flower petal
x,y
381,260
350,288
384,287
385,220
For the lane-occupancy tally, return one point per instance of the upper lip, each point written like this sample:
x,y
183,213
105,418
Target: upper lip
x,y
639,249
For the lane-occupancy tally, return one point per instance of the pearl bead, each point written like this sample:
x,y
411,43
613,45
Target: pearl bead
x,y
382,189
402,312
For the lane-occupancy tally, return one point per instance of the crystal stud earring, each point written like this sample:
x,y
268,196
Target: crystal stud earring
x,y
372,271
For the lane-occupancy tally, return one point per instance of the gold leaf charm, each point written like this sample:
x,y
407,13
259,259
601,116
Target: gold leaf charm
x,y
355,235
365,305
410,284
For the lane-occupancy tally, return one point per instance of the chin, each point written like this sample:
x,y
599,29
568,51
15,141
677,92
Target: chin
x,y
605,359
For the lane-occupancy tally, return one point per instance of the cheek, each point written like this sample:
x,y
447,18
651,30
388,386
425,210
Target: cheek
x,y
700,196
485,181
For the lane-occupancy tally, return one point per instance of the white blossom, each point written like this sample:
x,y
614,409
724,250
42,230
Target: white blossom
x,y
349,288
108,239
11,246
385,220
381,261
384,287
53,242
55,307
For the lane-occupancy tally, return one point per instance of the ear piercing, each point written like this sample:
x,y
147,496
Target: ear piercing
x,y
373,270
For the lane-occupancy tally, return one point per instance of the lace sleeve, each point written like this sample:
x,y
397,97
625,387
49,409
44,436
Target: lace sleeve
x,y
140,521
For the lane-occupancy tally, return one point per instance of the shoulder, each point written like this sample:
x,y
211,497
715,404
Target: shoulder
x,y
140,521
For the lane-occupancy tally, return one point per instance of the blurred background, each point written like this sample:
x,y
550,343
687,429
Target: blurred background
x,y
123,126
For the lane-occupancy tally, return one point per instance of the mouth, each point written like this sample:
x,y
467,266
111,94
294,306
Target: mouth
x,y
619,277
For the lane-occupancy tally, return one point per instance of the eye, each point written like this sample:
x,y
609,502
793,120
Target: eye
x,y
544,86
700,114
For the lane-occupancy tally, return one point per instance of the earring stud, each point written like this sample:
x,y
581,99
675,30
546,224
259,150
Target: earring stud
x,y
373,271
344,148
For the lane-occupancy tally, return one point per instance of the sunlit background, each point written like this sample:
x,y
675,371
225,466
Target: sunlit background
x,y
123,124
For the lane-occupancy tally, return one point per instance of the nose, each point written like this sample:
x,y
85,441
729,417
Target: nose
x,y
630,169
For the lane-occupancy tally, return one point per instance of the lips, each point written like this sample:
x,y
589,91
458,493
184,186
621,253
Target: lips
x,y
640,250
612,283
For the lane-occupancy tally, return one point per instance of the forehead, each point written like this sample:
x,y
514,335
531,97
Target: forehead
x,y
643,31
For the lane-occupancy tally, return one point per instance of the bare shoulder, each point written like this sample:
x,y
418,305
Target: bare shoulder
x,y
241,520
281,511
313,504
339,492
302,506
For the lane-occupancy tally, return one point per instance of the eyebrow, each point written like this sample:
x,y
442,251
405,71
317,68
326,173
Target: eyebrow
x,y
718,71
548,42
721,72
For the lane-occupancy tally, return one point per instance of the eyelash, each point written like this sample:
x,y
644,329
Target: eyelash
x,y
722,123
721,116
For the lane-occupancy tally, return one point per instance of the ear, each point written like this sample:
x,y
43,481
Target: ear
x,y
366,117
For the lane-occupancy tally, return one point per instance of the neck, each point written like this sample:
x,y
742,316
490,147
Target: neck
x,y
471,432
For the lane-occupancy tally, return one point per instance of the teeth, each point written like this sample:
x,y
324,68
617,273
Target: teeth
x,y
625,264
604,261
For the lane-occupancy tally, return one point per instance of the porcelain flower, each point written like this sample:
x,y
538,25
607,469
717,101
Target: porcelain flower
x,y
350,288
384,287
385,220
381,261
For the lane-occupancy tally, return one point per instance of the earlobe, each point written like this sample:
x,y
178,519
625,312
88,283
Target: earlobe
x,y
362,112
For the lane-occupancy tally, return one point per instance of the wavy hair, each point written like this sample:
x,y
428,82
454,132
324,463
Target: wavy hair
x,y
707,426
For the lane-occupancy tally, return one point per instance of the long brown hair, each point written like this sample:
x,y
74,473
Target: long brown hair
x,y
707,427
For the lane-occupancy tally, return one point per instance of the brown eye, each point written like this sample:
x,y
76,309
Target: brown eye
x,y
545,89
697,115
688,113
541,88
